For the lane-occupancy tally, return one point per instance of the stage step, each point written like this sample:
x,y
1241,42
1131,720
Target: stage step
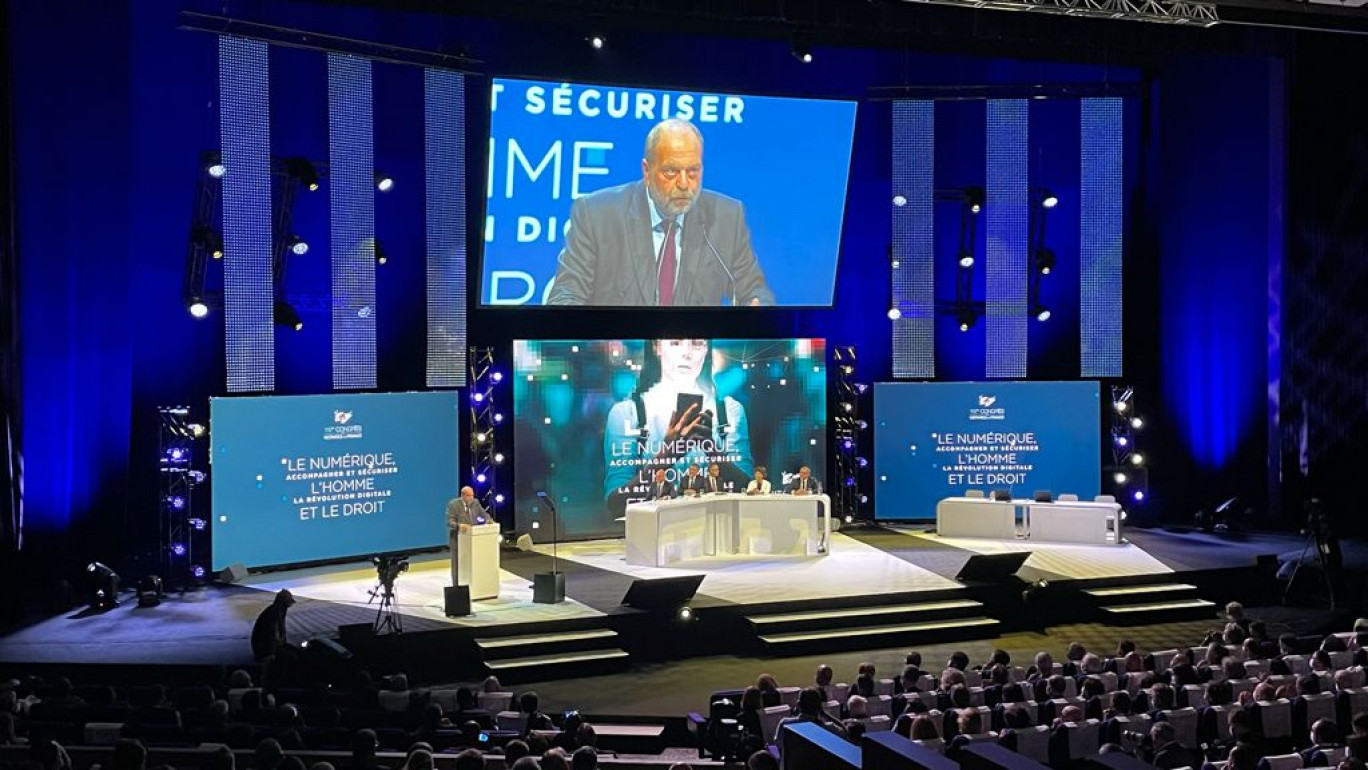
x,y
1126,591
1186,604
540,663
890,634
1170,611
892,613
529,640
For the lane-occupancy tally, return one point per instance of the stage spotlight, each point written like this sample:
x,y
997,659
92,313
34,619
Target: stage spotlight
x,y
596,41
1137,423
197,430
685,614
298,245
849,519
480,478
966,259
286,315
477,397
1045,261
498,458
149,591
894,314
1139,495
1137,459
967,318
210,240
1048,199
198,571
499,498
178,549
214,165
380,256
1120,406
480,438
198,524
304,171
496,376
850,481
847,406
847,444
864,498
198,309
973,197
801,50
383,182
862,462
1042,313
1122,441
498,417
1119,477
176,502
106,585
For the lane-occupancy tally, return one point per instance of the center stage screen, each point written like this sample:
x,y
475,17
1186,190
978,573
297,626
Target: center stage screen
x,y
935,440
315,478
568,197
595,419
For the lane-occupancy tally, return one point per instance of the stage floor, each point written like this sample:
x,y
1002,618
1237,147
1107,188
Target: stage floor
x,y
214,623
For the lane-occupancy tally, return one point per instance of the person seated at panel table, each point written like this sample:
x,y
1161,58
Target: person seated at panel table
x,y
758,485
714,483
692,483
660,489
804,483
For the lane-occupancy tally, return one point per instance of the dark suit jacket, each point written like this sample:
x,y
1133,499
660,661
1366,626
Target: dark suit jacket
x,y
663,491
697,483
609,257
814,487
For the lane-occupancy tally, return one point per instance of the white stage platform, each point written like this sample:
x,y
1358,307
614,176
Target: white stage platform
x,y
1056,561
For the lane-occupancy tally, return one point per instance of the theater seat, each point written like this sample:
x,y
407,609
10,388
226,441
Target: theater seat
x,y
494,702
770,719
1284,762
878,723
1034,743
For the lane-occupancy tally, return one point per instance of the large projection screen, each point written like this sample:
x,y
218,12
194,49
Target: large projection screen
x,y
935,440
300,479
762,201
580,408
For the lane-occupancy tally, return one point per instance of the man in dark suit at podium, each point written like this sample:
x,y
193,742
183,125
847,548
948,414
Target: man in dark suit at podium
x,y
660,488
662,240
805,484
461,514
693,482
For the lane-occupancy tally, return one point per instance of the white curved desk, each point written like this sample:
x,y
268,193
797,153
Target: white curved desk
x,y
669,531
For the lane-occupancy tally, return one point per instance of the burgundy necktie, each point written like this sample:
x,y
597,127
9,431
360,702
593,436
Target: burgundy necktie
x,y
667,265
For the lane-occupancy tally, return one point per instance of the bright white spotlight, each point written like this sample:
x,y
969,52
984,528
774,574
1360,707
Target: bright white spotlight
x,y
1139,495
1120,406
299,246
966,260
1049,200
217,169
1119,478
480,438
1137,459
383,182
1137,423
498,458
198,309
597,42
1043,314
894,314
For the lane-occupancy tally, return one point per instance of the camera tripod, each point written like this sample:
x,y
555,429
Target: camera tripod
x,y
1321,545
387,618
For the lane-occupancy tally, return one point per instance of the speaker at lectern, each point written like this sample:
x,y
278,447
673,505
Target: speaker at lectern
x,y
478,561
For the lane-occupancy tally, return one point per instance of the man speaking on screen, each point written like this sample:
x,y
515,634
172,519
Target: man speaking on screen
x,y
663,241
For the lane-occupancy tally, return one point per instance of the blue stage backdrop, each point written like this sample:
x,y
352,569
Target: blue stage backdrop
x,y
937,439
787,160
312,478
592,420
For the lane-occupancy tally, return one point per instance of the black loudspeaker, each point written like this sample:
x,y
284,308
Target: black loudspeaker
x,y
355,635
1002,495
233,573
548,588
662,594
992,567
457,601
1043,496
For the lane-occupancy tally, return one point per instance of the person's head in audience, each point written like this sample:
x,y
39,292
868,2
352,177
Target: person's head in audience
x,y
465,699
1279,667
951,677
555,759
529,703
586,735
1011,693
1242,756
1351,763
924,728
1218,693
433,717
858,707
902,725
398,683
866,669
1111,748
864,685
239,735
1233,634
538,744
1357,746
570,724
1346,679
1242,725
681,766
810,701
1324,732
1320,661
1333,643
9,701
823,677
999,675
1044,663
1265,691
1359,723
584,758
1075,652
1361,625
855,730
762,760
1001,658
1234,612
239,680
959,660
1251,649
419,759
364,745
1287,644
751,699
910,676
1308,684
268,754
1233,668
1162,734
528,763
1120,703
1215,653
49,755
970,721
1056,686
1090,664
419,746
491,684
766,682
1092,687
1016,716
1161,697
959,696
1124,648
1258,631
472,759
515,750
913,659
131,754
218,758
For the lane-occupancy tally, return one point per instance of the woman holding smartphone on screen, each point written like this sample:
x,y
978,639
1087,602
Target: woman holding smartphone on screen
x,y
674,417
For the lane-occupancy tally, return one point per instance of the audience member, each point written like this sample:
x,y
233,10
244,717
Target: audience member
x,y
364,746
419,759
1168,753
809,709
530,705
527,763
218,758
924,728
584,758
268,755
129,754
1324,736
515,750
762,760
554,759
769,690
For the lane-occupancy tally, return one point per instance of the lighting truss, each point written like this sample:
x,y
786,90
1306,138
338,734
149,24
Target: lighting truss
x,y
845,487
181,531
486,420
1194,12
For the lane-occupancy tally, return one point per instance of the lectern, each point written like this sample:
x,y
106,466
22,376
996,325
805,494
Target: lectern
x,y
477,554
